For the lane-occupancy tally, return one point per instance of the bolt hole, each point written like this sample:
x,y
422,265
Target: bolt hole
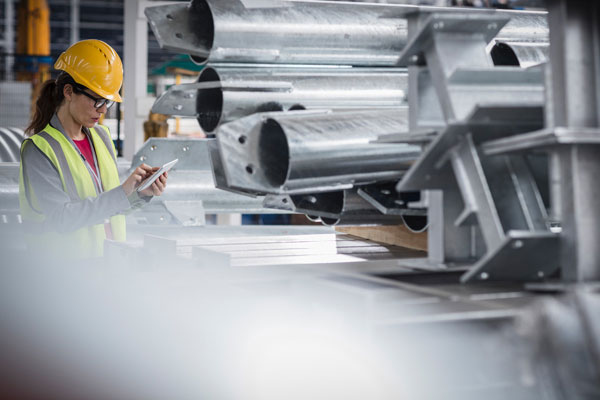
x,y
242,139
250,168
169,17
311,199
179,35
284,201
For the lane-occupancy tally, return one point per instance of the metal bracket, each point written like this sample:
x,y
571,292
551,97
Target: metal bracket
x,y
543,138
485,24
523,255
192,153
387,200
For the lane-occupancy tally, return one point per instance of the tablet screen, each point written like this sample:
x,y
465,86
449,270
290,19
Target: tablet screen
x,y
149,181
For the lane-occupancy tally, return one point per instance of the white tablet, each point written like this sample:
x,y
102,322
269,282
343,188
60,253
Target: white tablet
x,y
149,181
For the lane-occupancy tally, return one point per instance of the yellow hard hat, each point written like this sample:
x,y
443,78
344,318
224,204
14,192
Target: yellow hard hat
x,y
95,65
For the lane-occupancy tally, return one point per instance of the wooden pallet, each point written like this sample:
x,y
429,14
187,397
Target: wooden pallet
x,y
398,235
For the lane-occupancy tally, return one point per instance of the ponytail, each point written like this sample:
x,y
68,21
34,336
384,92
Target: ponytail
x,y
51,96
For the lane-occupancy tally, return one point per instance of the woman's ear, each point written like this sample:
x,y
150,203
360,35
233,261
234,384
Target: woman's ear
x,y
68,91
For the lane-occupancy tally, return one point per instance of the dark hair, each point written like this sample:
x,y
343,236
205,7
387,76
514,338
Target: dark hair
x,y
51,96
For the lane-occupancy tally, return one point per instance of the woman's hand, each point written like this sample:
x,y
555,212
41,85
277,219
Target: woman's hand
x,y
136,177
158,186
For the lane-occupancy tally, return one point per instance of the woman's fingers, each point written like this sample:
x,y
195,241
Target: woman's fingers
x,y
158,186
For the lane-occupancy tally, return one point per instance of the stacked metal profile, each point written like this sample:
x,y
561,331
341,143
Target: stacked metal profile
x,y
311,93
304,96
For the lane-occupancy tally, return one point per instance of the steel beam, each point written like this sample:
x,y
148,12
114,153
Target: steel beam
x,y
575,104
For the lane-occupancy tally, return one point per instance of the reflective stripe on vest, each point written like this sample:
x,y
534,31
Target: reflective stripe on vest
x,y
78,184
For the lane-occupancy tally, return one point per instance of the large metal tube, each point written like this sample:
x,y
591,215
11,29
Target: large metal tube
x,y
304,152
522,54
224,94
296,32
354,210
344,207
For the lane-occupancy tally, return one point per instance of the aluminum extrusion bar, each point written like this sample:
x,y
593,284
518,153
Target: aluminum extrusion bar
x,y
224,94
308,152
303,32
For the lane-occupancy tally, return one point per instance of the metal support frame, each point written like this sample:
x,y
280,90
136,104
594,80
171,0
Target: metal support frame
x,y
136,67
487,202
503,217
575,104
9,38
74,21
571,136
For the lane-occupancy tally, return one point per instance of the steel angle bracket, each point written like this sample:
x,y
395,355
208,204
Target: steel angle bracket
x,y
424,136
279,202
387,201
523,256
174,29
192,153
178,100
487,24
543,138
238,152
319,204
486,122
219,178
300,204
315,204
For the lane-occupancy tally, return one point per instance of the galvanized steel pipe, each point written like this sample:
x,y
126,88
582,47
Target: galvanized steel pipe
x,y
522,54
303,152
296,32
344,207
224,94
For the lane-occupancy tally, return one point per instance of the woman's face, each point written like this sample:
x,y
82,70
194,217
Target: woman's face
x,y
81,108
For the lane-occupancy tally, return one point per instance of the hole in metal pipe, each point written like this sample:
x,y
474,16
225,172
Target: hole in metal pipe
x,y
202,24
273,153
209,102
330,221
297,107
503,55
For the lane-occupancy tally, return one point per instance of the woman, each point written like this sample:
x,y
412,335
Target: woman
x,y
69,190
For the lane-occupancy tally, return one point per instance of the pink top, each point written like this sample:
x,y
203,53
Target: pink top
x,y
86,149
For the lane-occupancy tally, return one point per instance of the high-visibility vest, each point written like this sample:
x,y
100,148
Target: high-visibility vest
x,y
78,184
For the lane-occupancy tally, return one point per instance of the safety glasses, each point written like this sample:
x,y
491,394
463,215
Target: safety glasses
x,y
98,101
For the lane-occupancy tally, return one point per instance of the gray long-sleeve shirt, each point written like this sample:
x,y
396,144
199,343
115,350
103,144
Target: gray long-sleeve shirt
x,y
62,214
